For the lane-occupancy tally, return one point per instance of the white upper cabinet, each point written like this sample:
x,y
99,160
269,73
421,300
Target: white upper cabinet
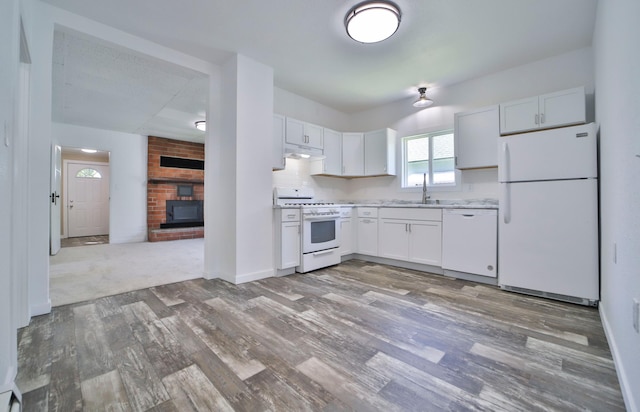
x,y
380,153
332,162
304,134
563,108
476,135
278,162
352,154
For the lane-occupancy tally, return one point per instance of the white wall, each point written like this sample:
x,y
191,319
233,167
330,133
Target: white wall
x,y
9,63
301,108
561,72
40,34
128,176
242,206
296,172
617,65
548,75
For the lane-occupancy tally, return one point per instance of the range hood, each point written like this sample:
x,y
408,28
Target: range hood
x,y
293,151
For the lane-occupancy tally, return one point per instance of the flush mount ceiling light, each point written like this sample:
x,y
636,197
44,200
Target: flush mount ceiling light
x,y
89,150
201,125
372,21
423,100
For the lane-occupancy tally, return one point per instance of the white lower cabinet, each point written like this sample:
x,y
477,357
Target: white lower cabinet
x,y
425,242
287,238
367,231
346,231
413,235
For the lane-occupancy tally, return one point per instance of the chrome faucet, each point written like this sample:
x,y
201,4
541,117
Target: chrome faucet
x,y
424,189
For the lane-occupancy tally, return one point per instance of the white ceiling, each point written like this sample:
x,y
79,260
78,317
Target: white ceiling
x,y
439,43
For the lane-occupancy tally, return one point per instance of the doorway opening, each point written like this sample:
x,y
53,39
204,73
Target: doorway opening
x,y
84,216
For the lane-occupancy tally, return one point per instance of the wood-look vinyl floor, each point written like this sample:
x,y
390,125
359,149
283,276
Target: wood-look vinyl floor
x,y
356,336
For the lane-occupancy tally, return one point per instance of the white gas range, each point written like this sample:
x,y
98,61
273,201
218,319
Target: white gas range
x,y
320,227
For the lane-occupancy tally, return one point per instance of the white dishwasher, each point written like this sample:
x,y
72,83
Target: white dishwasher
x,y
470,241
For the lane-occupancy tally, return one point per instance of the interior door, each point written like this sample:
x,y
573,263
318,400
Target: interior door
x,y
54,199
88,199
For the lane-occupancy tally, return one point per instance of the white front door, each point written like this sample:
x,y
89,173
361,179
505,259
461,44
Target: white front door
x,y
87,199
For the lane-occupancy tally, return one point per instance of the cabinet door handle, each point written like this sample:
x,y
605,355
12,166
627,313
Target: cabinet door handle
x,y
291,216
409,227
406,227
536,119
541,118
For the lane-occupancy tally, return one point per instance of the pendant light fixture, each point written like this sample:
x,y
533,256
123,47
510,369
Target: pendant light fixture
x,y
201,125
423,100
372,21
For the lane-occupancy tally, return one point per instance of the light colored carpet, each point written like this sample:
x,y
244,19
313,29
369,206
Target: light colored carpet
x,y
88,272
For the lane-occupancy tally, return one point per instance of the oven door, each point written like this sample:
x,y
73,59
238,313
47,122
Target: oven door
x,y
320,233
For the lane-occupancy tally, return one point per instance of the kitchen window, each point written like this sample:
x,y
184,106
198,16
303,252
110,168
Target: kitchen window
x,y
430,153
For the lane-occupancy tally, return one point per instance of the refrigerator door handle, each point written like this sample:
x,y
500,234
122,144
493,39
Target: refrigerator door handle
x,y
505,203
504,162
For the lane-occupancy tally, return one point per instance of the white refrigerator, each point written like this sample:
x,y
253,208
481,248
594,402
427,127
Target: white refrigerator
x,y
548,216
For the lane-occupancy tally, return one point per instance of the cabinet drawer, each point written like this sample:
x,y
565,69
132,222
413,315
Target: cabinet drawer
x,y
346,212
368,212
411,213
290,215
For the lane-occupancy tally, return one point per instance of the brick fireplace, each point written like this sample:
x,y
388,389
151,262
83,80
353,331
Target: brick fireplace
x,y
175,177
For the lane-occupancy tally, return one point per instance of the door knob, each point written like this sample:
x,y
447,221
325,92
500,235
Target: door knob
x,y
54,198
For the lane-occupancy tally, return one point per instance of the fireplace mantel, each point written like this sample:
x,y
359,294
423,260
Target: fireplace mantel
x,y
160,180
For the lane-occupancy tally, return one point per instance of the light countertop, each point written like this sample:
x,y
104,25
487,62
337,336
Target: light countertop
x,y
433,204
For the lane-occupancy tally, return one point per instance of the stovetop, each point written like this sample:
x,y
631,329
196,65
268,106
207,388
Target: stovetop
x,y
310,204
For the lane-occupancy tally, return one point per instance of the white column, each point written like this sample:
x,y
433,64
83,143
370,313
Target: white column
x,y
39,163
9,63
238,198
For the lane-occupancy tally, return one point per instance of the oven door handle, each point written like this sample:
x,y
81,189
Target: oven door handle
x,y
316,218
323,252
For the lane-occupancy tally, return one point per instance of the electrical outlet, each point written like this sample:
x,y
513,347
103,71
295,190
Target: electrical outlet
x,y
636,315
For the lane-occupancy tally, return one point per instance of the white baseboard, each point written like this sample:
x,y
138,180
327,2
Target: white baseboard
x,y
40,309
250,277
625,387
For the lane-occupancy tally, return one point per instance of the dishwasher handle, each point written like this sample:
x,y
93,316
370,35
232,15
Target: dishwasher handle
x,y
470,213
